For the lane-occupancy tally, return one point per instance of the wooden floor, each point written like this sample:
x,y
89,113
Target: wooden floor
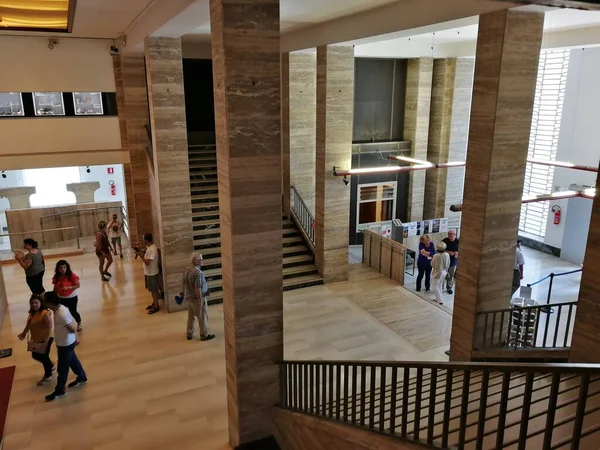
x,y
150,388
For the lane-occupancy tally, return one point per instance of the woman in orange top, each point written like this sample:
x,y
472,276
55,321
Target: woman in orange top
x,y
39,325
66,284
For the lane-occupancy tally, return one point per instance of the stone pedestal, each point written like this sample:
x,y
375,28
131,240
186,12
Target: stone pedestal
x,y
508,49
335,110
247,83
171,167
84,192
18,197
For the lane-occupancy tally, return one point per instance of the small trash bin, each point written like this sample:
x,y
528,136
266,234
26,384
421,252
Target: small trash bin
x,y
522,324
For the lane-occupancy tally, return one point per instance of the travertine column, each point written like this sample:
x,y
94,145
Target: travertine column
x,y
285,133
132,104
416,127
459,136
335,109
508,49
171,168
247,81
303,124
438,147
84,192
18,197
585,345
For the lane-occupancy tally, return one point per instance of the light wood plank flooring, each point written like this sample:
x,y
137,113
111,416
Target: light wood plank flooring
x,y
152,389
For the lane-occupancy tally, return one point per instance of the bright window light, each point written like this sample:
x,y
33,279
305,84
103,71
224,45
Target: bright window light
x,y
51,186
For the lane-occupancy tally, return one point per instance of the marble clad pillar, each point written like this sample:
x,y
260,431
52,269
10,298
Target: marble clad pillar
x,y
285,133
508,49
132,104
459,136
171,167
438,146
585,345
247,83
303,124
419,77
18,197
84,192
335,110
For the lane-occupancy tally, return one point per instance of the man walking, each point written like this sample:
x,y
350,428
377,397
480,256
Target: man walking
x,y
150,258
518,269
452,249
195,291
65,337
115,227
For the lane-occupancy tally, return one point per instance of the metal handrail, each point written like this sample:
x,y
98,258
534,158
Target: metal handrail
x,y
22,233
395,399
79,211
304,217
519,327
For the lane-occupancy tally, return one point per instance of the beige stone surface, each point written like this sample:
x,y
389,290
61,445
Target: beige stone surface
x,y
419,77
285,133
508,49
18,197
247,80
84,192
171,168
335,110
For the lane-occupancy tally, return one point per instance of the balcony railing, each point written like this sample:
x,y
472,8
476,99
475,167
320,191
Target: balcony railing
x,y
303,217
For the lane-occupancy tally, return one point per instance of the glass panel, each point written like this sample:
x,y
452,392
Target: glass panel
x,y
87,103
11,104
48,104
380,191
376,211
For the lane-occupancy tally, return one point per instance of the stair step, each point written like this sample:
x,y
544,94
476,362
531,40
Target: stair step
x,y
204,206
203,182
204,241
203,189
288,283
206,197
216,230
288,272
288,261
207,223
200,215
207,232
202,147
202,157
295,250
203,173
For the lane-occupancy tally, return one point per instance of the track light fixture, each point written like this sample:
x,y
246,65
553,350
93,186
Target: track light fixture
x,y
87,169
3,174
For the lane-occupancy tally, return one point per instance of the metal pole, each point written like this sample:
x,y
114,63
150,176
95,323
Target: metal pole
x,y
548,309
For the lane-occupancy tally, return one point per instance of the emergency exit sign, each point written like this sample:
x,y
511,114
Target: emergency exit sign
x,y
110,169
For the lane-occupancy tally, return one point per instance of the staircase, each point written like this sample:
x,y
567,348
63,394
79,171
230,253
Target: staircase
x,y
453,405
299,269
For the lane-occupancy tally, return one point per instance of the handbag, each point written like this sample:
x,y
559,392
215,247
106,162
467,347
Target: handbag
x,y
37,347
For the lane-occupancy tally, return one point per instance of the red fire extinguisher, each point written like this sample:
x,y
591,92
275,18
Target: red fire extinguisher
x,y
113,188
556,210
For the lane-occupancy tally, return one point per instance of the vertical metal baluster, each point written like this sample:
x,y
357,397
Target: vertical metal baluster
x,y
485,330
354,384
346,393
338,391
296,387
485,378
330,391
537,326
568,326
372,397
493,329
552,400
527,319
405,400
363,388
381,398
447,407
290,390
317,388
464,409
324,390
580,414
418,394
519,328
510,324
546,328
393,401
558,314
525,411
432,398
501,328
311,387
502,412
305,389
282,385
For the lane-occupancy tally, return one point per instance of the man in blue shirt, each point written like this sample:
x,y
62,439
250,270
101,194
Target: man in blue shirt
x,y
195,291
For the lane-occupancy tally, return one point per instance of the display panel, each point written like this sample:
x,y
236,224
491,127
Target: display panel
x,y
88,103
48,104
11,104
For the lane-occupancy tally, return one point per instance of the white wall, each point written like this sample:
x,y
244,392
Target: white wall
x,y
100,173
579,139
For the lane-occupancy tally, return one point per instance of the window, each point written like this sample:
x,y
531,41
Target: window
x,y
48,104
376,204
51,186
543,140
87,103
11,104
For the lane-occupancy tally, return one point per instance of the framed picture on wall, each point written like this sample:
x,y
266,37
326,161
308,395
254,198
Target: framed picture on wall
x,y
11,104
376,203
48,104
88,103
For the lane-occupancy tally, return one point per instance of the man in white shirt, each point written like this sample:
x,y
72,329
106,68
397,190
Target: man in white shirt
x,y
65,338
150,258
114,233
518,269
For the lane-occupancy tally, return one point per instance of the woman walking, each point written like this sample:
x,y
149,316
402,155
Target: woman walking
x,y
103,251
34,265
440,264
39,326
426,252
66,284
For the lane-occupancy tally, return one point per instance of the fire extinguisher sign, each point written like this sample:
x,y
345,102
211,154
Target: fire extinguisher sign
x,y
110,170
113,188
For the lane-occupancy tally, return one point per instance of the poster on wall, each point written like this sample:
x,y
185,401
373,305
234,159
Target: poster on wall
x,y
386,230
87,103
443,225
413,228
425,227
48,104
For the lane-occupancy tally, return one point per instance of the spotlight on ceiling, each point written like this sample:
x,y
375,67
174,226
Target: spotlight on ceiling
x,y
3,174
346,182
87,169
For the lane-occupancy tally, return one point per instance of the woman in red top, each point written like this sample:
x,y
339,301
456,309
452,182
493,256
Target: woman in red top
x,y
103,251
66,284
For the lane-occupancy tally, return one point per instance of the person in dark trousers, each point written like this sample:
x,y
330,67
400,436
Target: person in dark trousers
x,y
34,265
426,252
103,251
452,249
65,336
518,269
66,284
39,327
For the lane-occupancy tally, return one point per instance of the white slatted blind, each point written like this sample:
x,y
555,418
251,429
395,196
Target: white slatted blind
x,y
543,141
